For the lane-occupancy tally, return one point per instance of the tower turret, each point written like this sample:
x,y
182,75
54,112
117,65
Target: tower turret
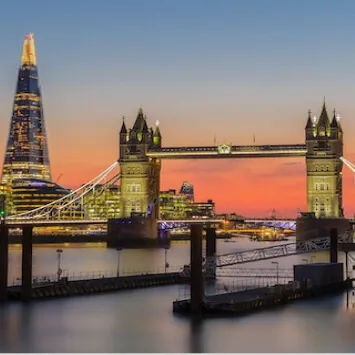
x,y
323,124
324,177
157,135
310,126
123,132
140,175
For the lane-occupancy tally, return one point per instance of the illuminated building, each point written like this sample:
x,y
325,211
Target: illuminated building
x,y
181,206
173,205
324,141
26,154
187,189
103,205
202,209
28,194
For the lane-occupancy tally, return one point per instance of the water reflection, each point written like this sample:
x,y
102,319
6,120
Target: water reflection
x,y
143,321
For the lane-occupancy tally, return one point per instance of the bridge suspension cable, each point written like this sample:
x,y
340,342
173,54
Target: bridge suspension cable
x,y
348,164
72,201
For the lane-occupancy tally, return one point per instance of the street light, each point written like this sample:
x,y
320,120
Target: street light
x,y
59,257
277,271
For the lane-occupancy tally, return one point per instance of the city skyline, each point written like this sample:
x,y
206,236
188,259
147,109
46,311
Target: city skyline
x,y
210,103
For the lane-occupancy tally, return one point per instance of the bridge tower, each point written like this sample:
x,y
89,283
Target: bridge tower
x,y
324,141
140,175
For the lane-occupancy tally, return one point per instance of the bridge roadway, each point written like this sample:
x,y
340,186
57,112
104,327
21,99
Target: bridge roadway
x,y
226,151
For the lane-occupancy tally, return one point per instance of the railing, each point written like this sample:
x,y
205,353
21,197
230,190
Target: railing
x,y
285,273
276,251
40,280
237,285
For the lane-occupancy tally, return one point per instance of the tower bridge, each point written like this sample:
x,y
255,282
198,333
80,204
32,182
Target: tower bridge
x,y
142,153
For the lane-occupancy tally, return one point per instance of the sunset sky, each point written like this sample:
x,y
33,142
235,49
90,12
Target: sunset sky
x,y
224,70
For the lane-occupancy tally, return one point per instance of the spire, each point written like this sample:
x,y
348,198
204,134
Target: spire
x,y
323,122
335,121
309,120
157,135
28,50
157,130
123,128
145,126
140,121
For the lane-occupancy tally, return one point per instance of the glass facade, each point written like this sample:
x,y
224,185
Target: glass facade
x,y
102,204
28,194
26,155
181,206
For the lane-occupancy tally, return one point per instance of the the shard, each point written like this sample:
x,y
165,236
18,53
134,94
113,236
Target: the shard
x,y
26,155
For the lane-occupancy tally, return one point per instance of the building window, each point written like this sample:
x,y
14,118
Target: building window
x,y
134,188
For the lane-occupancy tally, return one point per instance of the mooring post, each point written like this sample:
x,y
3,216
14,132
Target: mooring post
x,y
27,262
196,269
4,259
333,245
211,252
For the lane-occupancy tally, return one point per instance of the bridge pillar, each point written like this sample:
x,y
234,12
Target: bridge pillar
x,y
140,175
324,141
196,287
211,252
4,258
27,262
333,245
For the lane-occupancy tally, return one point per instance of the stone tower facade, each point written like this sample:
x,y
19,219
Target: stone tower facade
x,y
324,141
140,175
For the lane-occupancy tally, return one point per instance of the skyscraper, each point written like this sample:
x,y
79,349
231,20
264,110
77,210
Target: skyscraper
x,y
27,148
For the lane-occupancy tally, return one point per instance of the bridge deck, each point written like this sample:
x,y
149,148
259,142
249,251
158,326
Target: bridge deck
x,y
225,151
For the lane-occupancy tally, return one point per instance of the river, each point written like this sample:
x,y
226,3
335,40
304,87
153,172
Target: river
x,y
142,320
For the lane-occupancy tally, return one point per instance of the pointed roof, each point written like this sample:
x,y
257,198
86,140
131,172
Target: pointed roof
x,y
29,50
335,122
309,120
157,131
323,119
140,121
123,128
145,126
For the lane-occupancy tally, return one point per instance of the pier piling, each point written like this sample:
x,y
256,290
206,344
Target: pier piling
x,y
333,245
4,258
197,291
26,262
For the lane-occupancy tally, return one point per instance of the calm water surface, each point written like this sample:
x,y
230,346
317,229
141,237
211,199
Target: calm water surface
x,y
142,320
